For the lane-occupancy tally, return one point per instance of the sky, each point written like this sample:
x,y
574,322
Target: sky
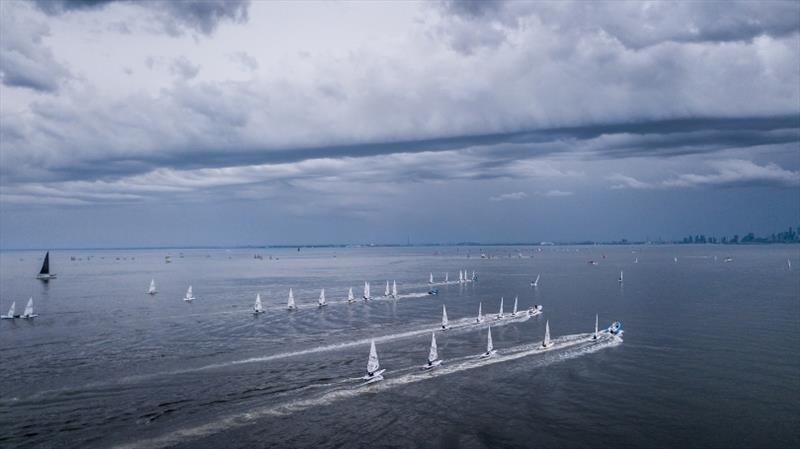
x,y
224,123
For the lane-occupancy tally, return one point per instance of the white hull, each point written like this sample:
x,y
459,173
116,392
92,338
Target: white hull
x,y
375,377
45,277
432,365
188,299
30,317
486,355
257,312
9,317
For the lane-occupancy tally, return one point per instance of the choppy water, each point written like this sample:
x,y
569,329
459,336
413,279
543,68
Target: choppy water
x,y
710,357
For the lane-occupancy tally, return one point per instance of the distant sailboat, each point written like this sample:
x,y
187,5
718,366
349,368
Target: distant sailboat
x,y
596,330
366,296
290,304
257,308
374,371
789,263
636,260
620,277
490,351
460,277
445,323
11,312
350,298
387,292
430,279
514,312
447,277
546,343
322,302
535,283
189,296
394,289
474,277
152,290
480,313
675,259
433,354
500,314
28,313
44,273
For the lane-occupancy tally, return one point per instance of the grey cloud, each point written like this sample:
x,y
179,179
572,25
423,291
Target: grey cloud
x,y
245,60
509,196
184,68
24,59
638,24
727,173
174,16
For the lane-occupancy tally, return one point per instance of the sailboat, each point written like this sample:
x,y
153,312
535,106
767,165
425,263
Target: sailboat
x,y
430,278
290,304
152,290
11,312
490,351
536,282
789,263
257,308
445,323
514,312
480,313
374,371
546,343
44,273
350,298
394,289
596,331
535,309
675,259
189,296
433,355
446,278
460,277
322,302
28,313
636,260
620,277
387,292
474,276
500,314
366,296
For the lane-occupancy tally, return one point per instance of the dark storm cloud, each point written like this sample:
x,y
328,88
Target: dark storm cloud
x,y
201,15
641,24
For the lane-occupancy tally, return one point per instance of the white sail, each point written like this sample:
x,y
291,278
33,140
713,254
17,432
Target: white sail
x,y
322,298
394,289
546,341
373,364
434,352
12,309
290,304
447,277
620,275
789,263
536,282
430,279
473,275
480,313
596,322
460,276
366,290
516,299
28,309
189,296
500,314
636,260
350,297
489,345
444,317
257,308
152,289
387,291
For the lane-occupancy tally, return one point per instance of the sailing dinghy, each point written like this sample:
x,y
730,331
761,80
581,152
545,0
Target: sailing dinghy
x,y
430,278
620,277
350,298
433,355
152,290
480,313
394,289
387,292
189,296
535,283
366,296
11,312
490,351
28,313
257,307
44,273
445,322
546,343
500,314
322,302
514,312
290,303
596,331
374,371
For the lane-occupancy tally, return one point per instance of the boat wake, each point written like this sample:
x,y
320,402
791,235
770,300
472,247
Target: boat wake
x,y
563,348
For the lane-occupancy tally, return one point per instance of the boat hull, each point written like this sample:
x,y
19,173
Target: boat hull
x,y
375,377
432,365
486,355
45,277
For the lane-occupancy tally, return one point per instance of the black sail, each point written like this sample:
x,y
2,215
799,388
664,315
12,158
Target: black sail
x,y
46,264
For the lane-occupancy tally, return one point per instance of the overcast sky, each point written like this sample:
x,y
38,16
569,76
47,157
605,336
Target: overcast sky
x,y
237,122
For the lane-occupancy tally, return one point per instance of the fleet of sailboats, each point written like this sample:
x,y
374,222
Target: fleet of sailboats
x,y
27,314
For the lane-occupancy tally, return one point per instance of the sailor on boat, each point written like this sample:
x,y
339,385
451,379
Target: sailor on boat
x,y
433,291
536,309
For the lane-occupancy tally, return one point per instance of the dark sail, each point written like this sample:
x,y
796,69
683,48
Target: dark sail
x,y
46,264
